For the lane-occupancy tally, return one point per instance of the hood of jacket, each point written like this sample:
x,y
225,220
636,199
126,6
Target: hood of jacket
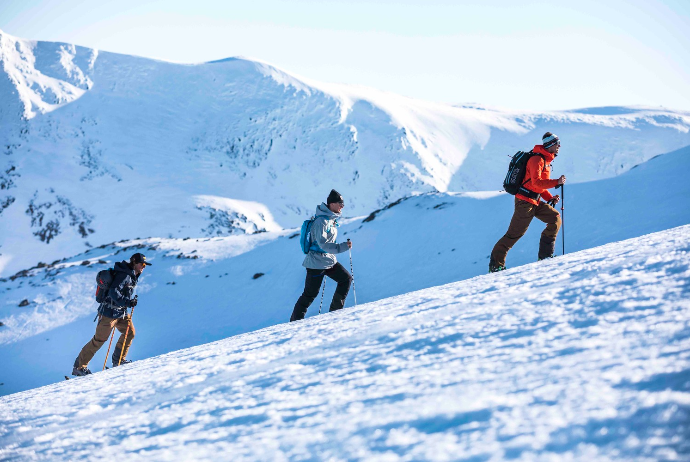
x,y
123,267
539,149
323,209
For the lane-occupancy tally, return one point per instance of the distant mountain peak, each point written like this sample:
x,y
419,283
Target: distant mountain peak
x,y
128,140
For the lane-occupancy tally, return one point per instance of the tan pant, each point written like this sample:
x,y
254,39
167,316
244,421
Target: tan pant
x,y
522,217
103,329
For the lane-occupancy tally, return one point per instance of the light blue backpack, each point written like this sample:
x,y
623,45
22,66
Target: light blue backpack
x,y
305,236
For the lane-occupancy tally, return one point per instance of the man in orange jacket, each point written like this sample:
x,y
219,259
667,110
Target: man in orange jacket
x,y
528,205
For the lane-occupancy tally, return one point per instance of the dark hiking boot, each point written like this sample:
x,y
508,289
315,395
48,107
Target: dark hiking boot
x,y
549,256
81,371
494,268
116,359
122,363
547,248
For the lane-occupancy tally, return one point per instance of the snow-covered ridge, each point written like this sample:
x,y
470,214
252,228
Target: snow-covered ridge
x,y
230,216
223,286
46,75
99,147
581,357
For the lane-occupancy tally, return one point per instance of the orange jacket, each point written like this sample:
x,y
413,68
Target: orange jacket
x,y
537,175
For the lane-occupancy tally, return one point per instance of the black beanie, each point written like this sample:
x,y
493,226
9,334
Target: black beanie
x,y
334,196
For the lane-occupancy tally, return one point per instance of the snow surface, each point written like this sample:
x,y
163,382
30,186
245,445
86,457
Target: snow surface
x,y
420,242
583,357
98,147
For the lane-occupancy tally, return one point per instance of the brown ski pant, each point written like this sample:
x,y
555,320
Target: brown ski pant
x,y
103,329
522,217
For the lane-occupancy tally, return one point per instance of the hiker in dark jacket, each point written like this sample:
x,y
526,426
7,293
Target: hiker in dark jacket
x,y
321,260
528,205
112,314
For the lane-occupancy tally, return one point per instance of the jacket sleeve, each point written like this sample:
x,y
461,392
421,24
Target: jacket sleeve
x,y
536,173
546,195
319,235
117,290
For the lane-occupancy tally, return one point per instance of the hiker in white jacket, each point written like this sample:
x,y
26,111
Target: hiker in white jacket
x,y
321,260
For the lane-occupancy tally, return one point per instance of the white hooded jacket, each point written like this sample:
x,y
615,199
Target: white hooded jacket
x,y
323,233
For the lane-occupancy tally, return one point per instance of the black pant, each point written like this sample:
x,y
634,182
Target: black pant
x,y
312,285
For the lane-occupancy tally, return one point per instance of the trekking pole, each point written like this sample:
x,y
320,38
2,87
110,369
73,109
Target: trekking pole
x,y
352,271
112,334
322,292
563,214
125,340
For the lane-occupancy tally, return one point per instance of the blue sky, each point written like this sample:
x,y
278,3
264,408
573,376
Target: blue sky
x,y
520,55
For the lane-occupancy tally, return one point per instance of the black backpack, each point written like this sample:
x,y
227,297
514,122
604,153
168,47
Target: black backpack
x,y
516,173
104,279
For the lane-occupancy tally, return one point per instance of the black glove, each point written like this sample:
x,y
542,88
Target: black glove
x,y
133,302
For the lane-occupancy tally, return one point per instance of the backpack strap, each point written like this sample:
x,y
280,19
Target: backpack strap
x,y
314,246
528,192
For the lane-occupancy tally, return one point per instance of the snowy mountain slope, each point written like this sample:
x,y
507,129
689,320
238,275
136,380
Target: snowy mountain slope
x,y
101,147
582,357
420,242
